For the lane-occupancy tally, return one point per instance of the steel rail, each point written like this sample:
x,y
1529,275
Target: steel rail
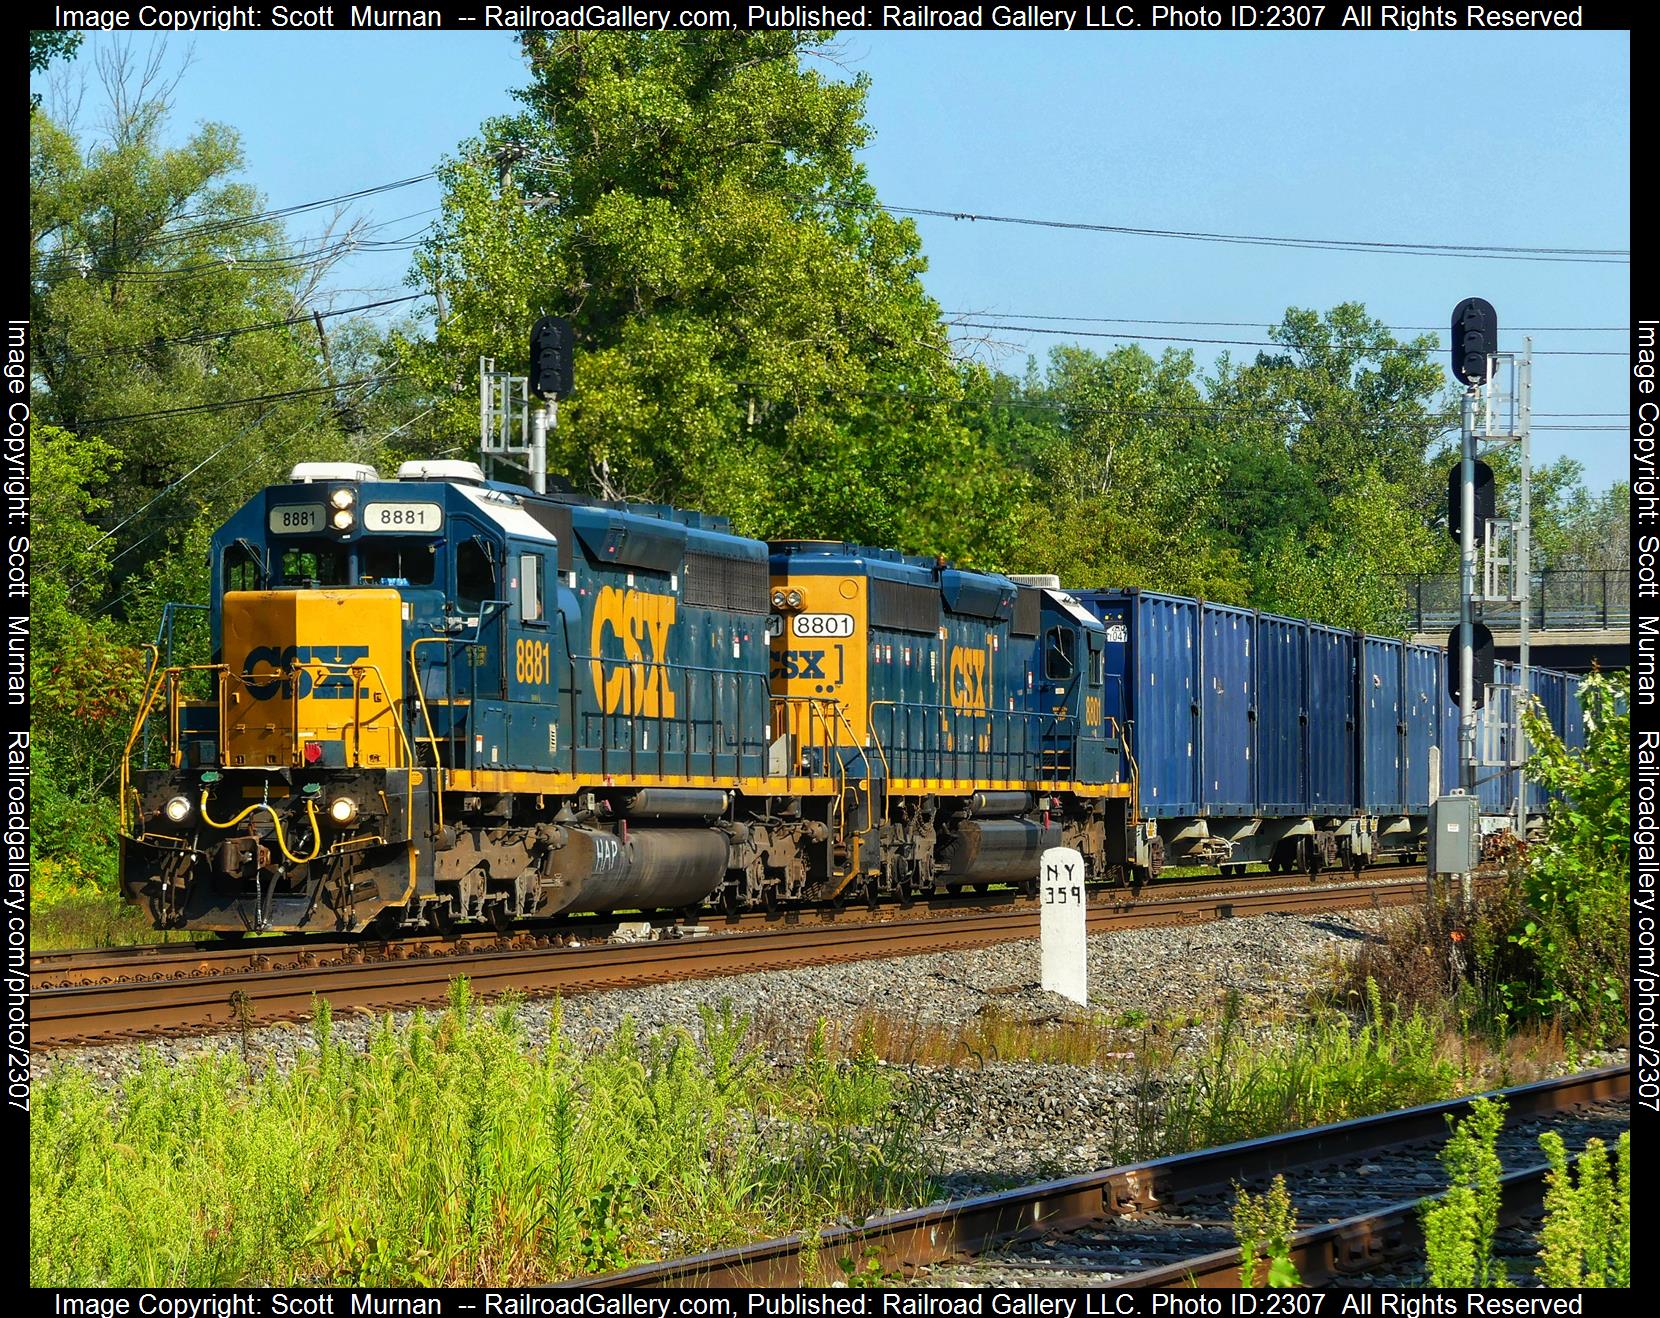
x,y
202,955
1348,1248
234,999
902,1242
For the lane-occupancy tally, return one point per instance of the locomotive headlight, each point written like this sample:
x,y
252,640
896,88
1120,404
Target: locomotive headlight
x,y
343,498
793,600
343,520
178,809
778,599
342,810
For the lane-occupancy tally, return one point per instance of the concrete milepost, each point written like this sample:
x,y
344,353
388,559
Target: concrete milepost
x,y
1065,945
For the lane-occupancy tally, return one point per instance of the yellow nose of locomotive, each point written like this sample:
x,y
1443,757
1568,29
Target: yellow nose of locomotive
x,y
314,678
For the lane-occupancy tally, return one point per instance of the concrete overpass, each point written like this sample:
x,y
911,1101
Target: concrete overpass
x,y
1570,651
1576,619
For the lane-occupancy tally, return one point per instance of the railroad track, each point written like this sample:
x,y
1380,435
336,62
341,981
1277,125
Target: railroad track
x,y
121,995
1167,1222
219,954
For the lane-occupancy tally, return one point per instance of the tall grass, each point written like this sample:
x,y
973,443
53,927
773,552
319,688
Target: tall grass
x,y
451,1151
1329,1068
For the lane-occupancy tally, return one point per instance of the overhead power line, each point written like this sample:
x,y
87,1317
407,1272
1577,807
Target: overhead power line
x,y
1576,255
213,335
1263,324
1240,343
214,227
234,402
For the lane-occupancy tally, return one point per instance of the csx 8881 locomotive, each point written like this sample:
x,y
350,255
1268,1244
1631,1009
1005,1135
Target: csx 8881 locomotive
x,y
441,698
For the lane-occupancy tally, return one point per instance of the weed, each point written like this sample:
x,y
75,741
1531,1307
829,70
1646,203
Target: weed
x,y
1264,1224
449,1151
1459,1230
1586,1237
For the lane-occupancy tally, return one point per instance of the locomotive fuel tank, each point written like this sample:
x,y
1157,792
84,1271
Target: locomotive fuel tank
x,y
993,850
591,869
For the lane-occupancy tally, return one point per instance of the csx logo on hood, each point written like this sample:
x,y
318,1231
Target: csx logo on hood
x,y
328,686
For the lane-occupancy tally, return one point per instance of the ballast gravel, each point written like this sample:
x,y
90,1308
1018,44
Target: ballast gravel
x,y
993,1122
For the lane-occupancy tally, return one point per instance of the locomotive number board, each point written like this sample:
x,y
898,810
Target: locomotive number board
x,y
823,624
296,518
403,517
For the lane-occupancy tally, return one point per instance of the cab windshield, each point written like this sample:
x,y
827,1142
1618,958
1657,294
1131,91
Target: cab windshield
x,y
316,565
384,561
396,562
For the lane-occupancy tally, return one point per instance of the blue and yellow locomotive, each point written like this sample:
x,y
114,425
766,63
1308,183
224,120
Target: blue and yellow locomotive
x,y
441,698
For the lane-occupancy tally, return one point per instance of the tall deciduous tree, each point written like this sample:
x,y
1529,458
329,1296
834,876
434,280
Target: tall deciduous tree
x,y
753,335
145,261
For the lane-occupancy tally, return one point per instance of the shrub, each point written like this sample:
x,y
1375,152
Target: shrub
x,y
1577,881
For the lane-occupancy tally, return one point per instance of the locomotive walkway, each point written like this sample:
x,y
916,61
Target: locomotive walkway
x,y
96,996
1166,1222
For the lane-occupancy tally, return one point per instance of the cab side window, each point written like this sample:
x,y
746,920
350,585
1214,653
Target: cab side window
x,y
1060,660
241,570
475,575
530,588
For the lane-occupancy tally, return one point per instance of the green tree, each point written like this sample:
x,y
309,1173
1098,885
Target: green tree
x,y
140,254
753,335
1126,481
1350,575
44,47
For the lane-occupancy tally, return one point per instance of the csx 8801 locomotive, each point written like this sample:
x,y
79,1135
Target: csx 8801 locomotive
x,y
441,698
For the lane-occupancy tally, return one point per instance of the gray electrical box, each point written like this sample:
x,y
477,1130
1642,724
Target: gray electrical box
x,y
1454,834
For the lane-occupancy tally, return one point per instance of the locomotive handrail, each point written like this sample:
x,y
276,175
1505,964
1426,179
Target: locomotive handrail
x,y
997,719
147,698
1135,770
351,670
667,669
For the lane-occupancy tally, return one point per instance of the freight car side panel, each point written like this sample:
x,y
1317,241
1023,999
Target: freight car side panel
x,y
1226,785
1164,641
1421,707
1282,725
1497,785
1332,719
1550,689
1381,727
1451,748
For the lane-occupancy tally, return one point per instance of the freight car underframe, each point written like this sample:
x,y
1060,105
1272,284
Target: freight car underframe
x,y
264,849
1308,843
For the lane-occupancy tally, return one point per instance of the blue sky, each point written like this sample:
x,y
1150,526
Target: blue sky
x,y
1325,135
